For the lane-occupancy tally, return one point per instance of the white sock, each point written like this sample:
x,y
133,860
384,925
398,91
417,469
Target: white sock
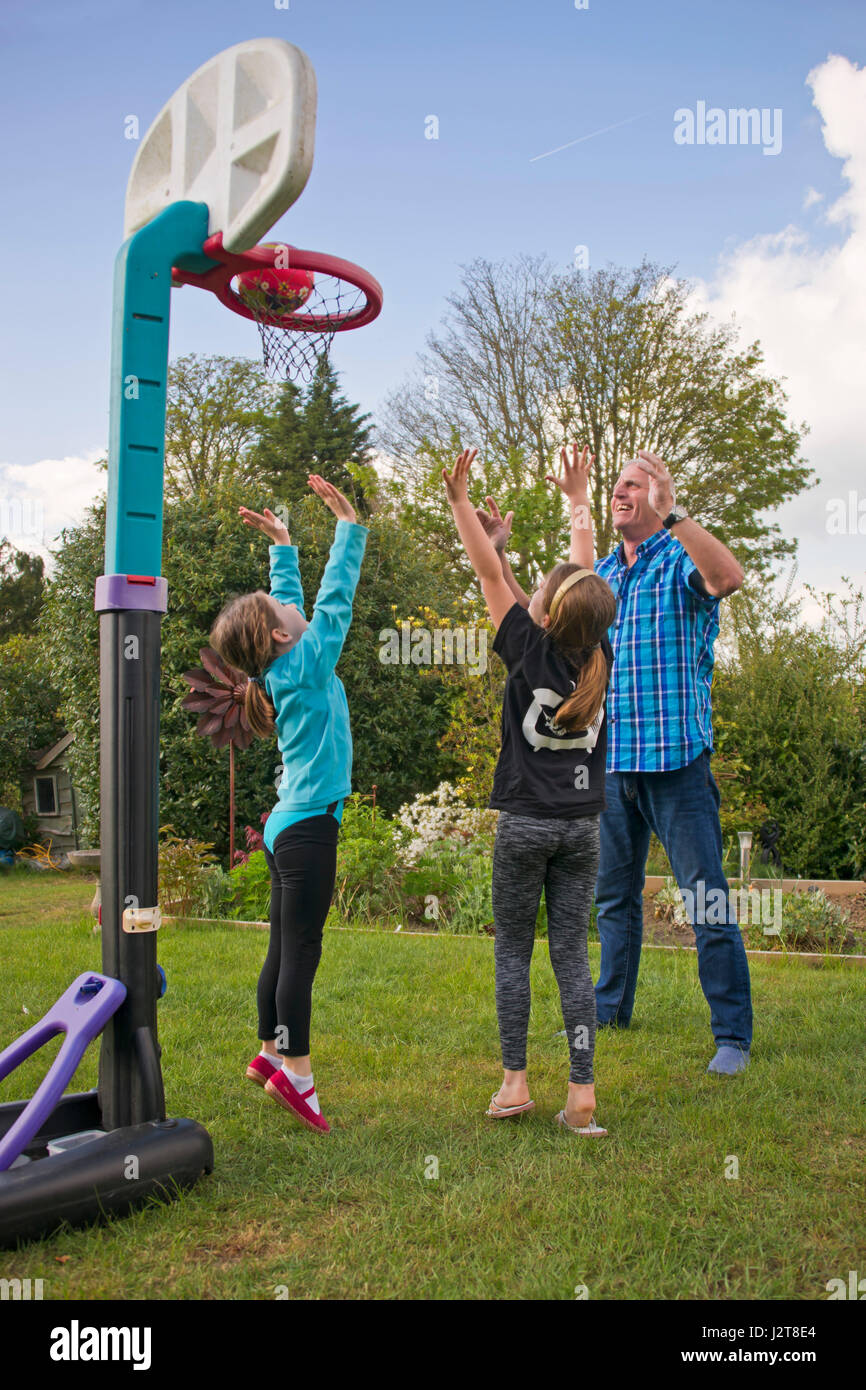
x,y
269,1056
301,1084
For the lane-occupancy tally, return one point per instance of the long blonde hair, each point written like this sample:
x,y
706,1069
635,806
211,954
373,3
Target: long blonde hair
x,y
242,637
582,616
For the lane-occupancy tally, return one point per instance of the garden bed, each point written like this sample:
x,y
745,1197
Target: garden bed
x,y
661,932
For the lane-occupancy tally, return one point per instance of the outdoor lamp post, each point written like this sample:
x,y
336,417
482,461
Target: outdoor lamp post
x,y
745,838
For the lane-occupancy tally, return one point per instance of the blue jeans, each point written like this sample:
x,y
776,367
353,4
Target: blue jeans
x,y
682,807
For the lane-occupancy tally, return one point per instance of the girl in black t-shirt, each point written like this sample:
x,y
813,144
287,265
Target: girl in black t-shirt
x,y
548,784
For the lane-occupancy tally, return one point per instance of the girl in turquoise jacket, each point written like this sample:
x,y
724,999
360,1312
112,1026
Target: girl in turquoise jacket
x,y
294,691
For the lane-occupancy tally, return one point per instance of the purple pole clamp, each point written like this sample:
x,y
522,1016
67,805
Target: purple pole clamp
x,y
125,591
81,1012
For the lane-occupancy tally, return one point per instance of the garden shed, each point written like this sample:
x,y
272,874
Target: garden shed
x,y
47,794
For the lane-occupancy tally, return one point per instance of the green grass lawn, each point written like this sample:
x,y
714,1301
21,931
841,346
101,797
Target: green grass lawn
x,y
406,1057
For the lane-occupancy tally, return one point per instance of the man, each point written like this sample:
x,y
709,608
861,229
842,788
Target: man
x,y
668,575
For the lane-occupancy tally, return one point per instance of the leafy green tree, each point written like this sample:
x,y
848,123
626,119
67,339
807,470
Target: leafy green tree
x,y
791,700
29,710
22,584
316,431
69,633
215,408
634,366
529,358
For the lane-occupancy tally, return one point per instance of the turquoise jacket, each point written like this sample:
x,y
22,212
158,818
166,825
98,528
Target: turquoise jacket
x,y
312,714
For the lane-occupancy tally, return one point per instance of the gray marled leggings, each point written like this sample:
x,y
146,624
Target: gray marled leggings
x,y
560,856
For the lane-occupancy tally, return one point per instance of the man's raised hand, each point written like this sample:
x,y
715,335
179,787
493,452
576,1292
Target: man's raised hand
x,y
662,494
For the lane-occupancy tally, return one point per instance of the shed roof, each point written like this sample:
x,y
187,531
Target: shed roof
x,y
45,757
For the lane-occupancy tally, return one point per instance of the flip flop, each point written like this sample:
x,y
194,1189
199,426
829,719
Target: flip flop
x,y
501,1112
592,1128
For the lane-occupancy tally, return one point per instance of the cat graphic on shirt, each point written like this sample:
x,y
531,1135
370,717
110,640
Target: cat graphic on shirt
x,y
540,716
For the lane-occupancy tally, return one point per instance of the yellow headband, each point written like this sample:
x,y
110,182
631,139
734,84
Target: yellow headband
x,y
566,584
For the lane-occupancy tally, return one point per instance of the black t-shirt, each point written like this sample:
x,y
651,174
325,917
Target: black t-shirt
x,y
543,770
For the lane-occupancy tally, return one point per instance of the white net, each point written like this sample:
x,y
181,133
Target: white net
x,y
292,351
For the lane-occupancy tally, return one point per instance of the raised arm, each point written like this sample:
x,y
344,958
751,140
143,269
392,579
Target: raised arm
x,y
285,571
498,528
719,571
479,548
321,645
574,484
286,576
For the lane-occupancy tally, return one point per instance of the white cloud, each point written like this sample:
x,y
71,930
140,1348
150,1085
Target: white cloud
x,y
807,306
38,500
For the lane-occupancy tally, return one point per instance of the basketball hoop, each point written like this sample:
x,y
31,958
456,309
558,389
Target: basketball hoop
x,y
297,299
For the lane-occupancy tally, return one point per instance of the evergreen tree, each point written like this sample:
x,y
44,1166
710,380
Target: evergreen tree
x,y
316,431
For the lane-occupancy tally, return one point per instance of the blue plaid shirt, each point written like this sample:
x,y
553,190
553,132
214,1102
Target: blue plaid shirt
x,y
658,704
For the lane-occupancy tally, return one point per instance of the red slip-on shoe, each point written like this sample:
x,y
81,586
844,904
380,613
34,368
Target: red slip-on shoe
x,y
261,1070
280,1087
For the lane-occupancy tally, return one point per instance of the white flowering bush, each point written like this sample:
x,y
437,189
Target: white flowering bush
x,y
441,815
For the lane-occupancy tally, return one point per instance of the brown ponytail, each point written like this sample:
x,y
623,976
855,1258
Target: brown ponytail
x,y
583,615
259,710
241,635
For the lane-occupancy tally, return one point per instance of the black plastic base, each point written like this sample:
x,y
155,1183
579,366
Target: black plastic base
x,y
107,1177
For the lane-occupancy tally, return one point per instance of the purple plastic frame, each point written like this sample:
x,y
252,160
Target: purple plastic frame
x,y
81,1012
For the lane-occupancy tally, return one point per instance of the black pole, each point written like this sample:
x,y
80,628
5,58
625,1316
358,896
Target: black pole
x,y
130,1079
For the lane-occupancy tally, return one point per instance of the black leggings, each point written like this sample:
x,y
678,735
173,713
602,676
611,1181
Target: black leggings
x,y
303,870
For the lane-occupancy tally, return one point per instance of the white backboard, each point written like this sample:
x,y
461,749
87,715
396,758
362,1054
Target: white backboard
x,y
238,135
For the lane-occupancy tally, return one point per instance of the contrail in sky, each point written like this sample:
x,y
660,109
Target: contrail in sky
x,y
591,136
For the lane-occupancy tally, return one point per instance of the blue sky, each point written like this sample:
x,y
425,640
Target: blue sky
x,y
508,82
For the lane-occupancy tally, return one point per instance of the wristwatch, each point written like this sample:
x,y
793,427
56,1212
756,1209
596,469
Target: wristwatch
x,y
673,516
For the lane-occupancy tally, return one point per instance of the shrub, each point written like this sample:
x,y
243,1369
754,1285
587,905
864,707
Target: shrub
x,y
369,869
369,862
251,889
459,877
443,815
472,900
180,866
449,887
255,840
214,893
788,703
668,905
810,922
